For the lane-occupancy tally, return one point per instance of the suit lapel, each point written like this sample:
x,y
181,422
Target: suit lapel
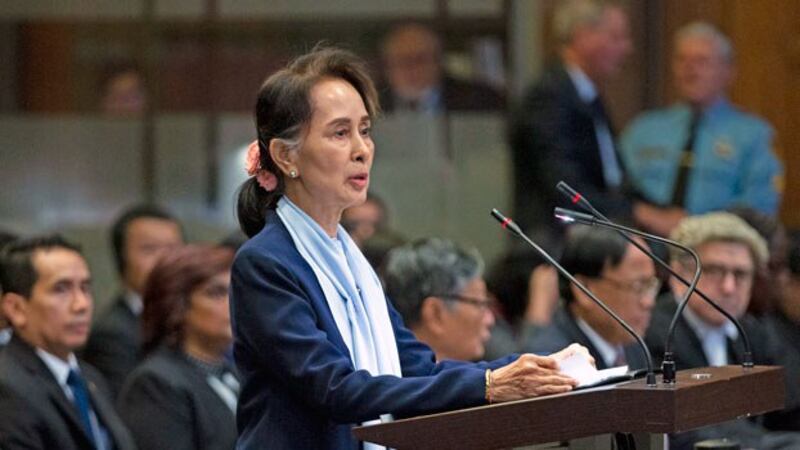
x,y
568,87
687,346
201,386
575,334
634,357
28,359
309,280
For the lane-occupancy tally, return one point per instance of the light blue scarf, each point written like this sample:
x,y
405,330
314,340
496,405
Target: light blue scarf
x,y
352,289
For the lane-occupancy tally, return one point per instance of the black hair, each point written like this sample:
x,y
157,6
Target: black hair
x,y
283,111
587,251
119,231
508,279
17,273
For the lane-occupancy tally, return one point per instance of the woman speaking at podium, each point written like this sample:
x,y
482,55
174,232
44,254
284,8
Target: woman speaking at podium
x,y
318,346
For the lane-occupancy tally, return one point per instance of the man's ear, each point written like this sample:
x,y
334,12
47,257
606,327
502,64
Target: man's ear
x,y
432,314
14,308
283,156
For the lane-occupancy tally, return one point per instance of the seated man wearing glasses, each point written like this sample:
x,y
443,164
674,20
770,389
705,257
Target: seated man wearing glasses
x,y
439,290
619,274
730,252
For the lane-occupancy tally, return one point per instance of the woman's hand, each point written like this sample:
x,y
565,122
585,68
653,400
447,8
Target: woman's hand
x,y
529,376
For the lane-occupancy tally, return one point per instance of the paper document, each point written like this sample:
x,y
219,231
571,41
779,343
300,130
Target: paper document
x,y
577,366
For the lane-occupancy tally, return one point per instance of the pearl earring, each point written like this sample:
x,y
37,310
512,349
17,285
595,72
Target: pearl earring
x,y
293,173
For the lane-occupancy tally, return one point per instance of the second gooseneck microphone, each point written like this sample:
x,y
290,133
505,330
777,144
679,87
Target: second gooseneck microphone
x,y
509,224
668,364
747,359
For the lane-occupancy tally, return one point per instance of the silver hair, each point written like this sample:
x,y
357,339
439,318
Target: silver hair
x,y
695,231
292,138
429,267
571,14
705,30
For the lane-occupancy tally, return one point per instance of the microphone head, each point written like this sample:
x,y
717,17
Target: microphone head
x,y
570,216
498,215
574,196
505,222
565,189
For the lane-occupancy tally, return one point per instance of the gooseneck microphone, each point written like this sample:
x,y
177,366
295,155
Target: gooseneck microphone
x,y
509,224
577,199
668,364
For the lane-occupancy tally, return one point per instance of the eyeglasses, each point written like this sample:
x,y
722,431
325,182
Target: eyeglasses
x,y
481,303
716,273
644,287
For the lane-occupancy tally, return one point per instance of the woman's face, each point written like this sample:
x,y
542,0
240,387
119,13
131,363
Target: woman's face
x,y
336,155
208,319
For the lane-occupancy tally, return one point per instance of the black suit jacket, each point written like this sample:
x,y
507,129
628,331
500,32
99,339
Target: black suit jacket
x,y
553,138
167,403
115,344
767,350
36,414
564,330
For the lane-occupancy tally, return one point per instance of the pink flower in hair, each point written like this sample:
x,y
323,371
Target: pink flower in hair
x,y
266,179
253,164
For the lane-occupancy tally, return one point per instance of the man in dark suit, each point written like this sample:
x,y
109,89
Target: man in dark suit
x,y
730,252
622,276
49,399
416,80
139,237
561,131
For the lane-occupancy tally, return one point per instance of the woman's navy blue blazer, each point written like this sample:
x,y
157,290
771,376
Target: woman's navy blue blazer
x,y
299,387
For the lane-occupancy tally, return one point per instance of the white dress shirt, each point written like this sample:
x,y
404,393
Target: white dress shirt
x,y
60,370
587,92
714,339
609,352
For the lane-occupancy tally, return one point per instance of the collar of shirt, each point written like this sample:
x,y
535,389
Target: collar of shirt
x,y
607,351
59,367
717,107
428,102
5,335
702,329
586,89
134,302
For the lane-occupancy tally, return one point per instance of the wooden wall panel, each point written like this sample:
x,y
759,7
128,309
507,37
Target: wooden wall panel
x,y
46,56
767,36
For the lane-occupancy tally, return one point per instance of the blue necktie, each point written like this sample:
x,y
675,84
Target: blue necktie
x,y
81,400
612,172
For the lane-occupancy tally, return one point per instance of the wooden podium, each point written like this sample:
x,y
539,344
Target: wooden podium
x,y
700,397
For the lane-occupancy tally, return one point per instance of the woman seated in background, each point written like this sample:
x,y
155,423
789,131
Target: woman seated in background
x,y
183,396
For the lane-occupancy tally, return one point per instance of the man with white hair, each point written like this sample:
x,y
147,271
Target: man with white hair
x,y
561,131
730,252
701,154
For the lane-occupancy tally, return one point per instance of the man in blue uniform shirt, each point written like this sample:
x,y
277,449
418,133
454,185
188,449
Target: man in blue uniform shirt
x,y
702,154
